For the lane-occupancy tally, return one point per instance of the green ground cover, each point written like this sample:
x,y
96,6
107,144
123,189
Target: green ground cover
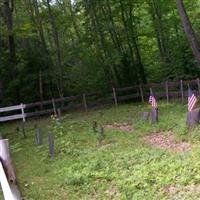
x,y
122,166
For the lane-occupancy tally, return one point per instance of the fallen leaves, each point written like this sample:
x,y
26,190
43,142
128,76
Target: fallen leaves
x,y
167,141
127,127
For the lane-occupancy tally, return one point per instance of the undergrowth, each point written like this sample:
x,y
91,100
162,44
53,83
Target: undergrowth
x,y
121,166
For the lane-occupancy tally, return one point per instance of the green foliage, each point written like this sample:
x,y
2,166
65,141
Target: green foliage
x,y
122,167
101,43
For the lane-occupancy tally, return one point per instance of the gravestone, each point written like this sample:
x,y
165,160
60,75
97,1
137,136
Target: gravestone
x,y
145,116
51,145
193,118
38,137
154,115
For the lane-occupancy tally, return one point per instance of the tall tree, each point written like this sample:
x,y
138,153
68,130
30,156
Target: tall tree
x,y
189,30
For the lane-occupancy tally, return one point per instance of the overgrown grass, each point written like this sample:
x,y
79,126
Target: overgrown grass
x,y
121,167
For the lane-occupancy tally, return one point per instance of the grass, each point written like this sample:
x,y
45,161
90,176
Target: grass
x,y
122,166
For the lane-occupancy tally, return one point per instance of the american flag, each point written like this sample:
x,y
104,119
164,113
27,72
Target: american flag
x,y
192,100
152,100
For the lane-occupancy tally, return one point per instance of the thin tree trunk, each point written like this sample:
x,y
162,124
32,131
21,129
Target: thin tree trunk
x,y
128,38
57,45
189,30
8,10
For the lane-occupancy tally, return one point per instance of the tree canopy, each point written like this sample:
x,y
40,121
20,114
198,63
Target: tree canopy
x,y
54,48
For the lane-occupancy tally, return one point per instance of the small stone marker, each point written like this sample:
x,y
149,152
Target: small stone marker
x,y
38,137
193,118
145,116
154,115
101,131
51,145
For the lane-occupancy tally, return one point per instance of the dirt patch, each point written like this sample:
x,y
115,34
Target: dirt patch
x,y
167,141
127,127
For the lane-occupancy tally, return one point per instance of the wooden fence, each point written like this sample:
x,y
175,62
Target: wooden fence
x,y
167,90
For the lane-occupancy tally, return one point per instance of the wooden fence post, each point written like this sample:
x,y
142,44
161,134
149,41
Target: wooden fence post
x,y
141,93
167,91
114,96
181,87
85,102
54,107
198,84
22,109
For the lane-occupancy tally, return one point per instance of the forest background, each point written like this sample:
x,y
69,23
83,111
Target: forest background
x,y
62,47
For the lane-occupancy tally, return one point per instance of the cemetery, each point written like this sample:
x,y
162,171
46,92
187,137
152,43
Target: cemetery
x,y
108,153
99,100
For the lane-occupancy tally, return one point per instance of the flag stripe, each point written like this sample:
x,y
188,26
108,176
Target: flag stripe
x,y
192,100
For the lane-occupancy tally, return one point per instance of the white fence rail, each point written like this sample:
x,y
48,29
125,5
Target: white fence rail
x,y
20,107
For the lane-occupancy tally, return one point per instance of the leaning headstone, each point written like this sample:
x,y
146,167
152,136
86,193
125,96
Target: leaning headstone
x,y
193,118
154,115
38,137
145,116
51,145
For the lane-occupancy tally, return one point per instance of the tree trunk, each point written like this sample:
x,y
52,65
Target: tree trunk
x,y
159,29
57,45
8,10
189,30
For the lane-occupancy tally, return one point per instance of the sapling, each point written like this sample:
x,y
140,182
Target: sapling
x,y
94,126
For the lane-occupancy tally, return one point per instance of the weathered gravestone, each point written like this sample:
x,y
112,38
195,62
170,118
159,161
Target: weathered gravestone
x,y
38,137
51,145
145,116
193,118
154,115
